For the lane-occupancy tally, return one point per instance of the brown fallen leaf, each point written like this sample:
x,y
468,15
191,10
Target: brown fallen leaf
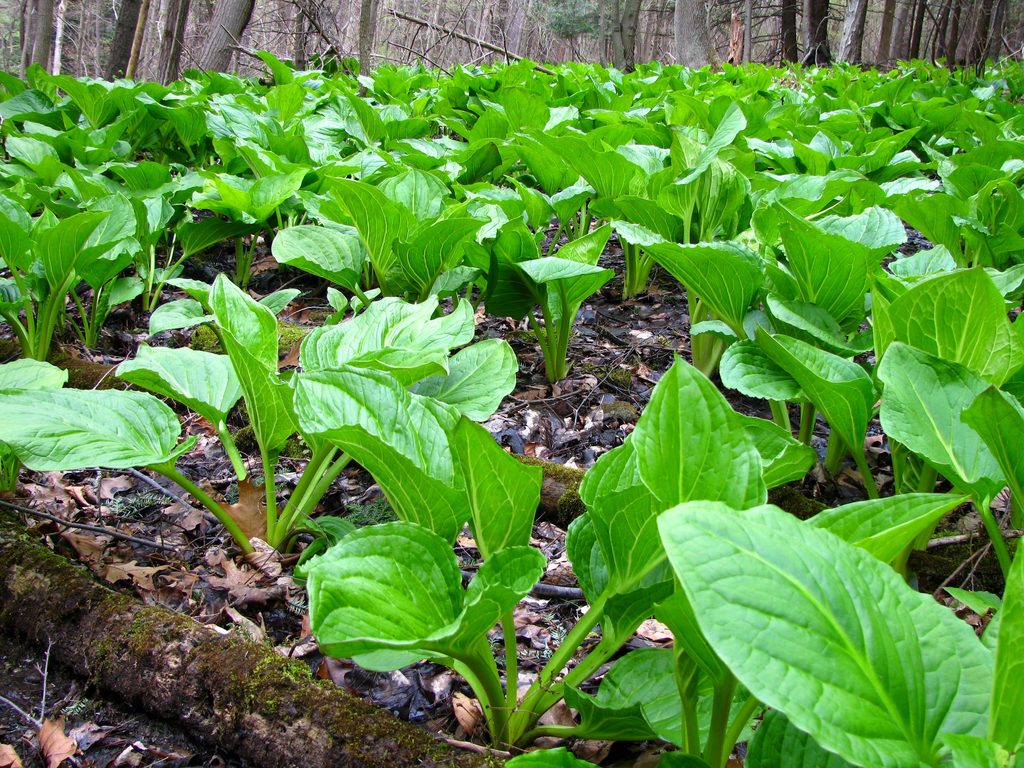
x,y
8,757
88,734
248,511
88,546
140,575
246,626
467,712
654,631
54,743
109,486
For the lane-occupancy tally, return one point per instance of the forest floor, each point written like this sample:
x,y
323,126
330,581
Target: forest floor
x,y
619,352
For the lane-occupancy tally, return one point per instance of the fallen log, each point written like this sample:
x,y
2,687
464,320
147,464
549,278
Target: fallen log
x,y
230,693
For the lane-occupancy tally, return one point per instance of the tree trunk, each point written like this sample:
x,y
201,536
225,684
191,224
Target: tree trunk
x,y
995,40
623,38
852,45
38,37
900,32
693,41
941,31
979,44
58,37
367,33
224,33
748,31
816,47
171,37
787,26
885,33
140,34
124,33
231,693
953,39
917,29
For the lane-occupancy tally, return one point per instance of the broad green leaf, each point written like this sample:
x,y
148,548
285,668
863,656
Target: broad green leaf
x,y
548,758
31,374
64,429
783,458
725,276
502,492
885,527
922,407
747,369
876,228
959,316
183,313
197,236
778,744
421,193
677,614
981,602
379,221
999,419
689,445
811,323
202,381
278,301
832,637
972,752
59,248
434,247
478,379
725,133
637,700
839,388
1006,725
332,254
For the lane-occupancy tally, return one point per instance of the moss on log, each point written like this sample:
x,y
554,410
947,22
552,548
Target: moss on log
x,y
230,693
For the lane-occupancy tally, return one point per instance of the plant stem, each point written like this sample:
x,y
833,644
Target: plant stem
x,y
926,478
994,534
834,452
484,672
715,753
228,444
554,731
750,708
808,414
508,631
686,685
270,488
780,414
865,473
171,472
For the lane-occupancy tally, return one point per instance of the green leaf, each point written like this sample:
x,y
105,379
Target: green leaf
x,y
747,369
832,637
885,527
1006,726
999,419
196,236
811,323
379,220
839,388
981,602
65,429
778,744
733,121
548,758
959,316
502,492
59,248
421,193
689,445
972,752
783,458
922,407
183,313
637,700
31,374
878,229
204,382
332,254
478,379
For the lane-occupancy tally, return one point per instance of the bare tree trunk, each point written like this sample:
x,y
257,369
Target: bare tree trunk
x,y
995,41
519,13
916,29
693,41
298,37
787,25
979,45
140,34
230,18
367,33
852,45
816,32
172,35
38,39
58,37
885,33
953,38
900,32
124,33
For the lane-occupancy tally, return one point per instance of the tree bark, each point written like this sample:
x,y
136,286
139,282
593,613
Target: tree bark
x,y
623,34
917,29
367,33
979,44
230,693
124,33
900,32
748,31
171,37
885,33
140,34
38,37
230,18
787,26
852,46
816,47
693,41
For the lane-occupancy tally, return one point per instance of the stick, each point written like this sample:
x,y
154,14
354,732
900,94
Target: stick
x,y
946,541
92,528
464,37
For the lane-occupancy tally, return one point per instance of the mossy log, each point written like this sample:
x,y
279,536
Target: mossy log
x,y
232,694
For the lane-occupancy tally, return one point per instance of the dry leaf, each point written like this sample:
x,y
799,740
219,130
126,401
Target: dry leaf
x,y
654,631
109,486
467,712
8,757
264,558
141,575
87,734
88,546
54,744
245,626
244,585
248,511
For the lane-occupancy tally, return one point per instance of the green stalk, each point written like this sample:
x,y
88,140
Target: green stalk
x,y
808,414
686,686
481,670
926,478
865,473
270,489
296,504
171,472
228,444
750,708
553,731
780,414
508,631
715,753
994,534
834,451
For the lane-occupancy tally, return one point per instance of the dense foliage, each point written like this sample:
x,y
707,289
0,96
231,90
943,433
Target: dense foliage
x,y
779,200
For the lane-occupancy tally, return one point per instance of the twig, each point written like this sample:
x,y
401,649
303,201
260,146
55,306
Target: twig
x,y
207,515
37,723
542,590
46,675
471,747
465,38
85,527
974,559
963,538
418,54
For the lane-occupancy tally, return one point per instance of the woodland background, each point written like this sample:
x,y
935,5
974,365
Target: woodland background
x,y
159,39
